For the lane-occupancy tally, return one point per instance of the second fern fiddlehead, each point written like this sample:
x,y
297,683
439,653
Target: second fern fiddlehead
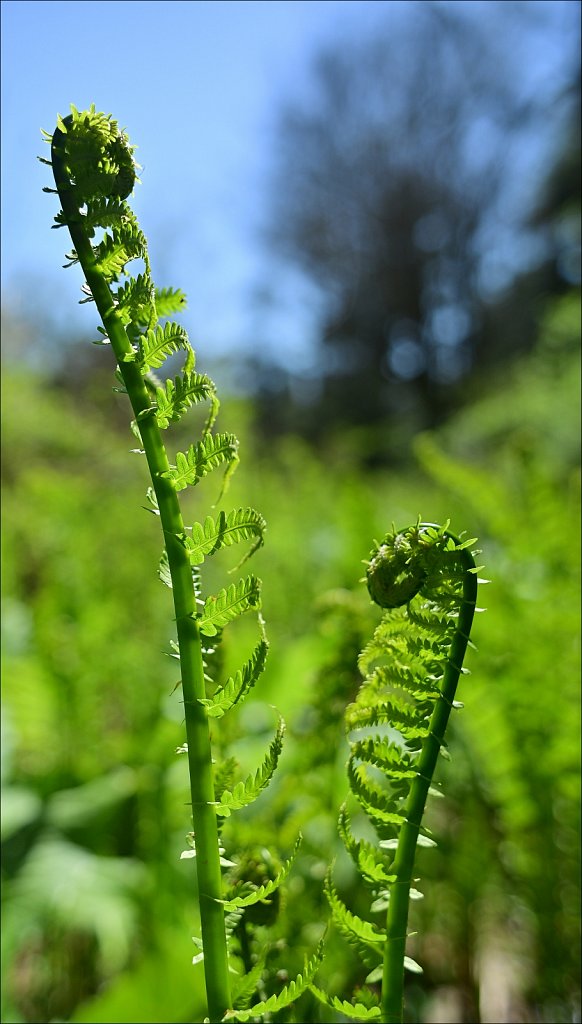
x,y
426,582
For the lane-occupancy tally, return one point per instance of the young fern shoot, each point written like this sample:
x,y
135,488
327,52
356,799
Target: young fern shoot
x,y
426,580
95,172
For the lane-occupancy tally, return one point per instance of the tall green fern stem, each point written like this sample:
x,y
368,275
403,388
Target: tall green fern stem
x,y
94,172
189,639
403,865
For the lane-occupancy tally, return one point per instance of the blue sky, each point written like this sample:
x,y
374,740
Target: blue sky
x,y
198,86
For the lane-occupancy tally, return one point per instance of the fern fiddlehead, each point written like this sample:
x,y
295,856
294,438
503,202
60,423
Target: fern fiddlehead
x,y
426,582
95,172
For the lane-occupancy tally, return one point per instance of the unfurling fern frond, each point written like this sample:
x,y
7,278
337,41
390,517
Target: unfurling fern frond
x,y
425,579
96,157
95,172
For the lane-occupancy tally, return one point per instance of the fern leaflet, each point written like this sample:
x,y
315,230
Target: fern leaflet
x,y
204,456
160,342
228,604
236,688
246,792
170,301
117,249
182,392
225,530
288,994
260,893
354,1011
369,860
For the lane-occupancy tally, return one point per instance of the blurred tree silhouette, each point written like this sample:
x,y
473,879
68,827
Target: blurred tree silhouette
x,y
398,193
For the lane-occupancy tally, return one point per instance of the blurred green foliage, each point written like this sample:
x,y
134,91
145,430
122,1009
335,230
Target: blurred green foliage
x,y
98,907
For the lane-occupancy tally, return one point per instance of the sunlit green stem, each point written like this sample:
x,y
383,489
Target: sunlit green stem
x,y
403,867
192,670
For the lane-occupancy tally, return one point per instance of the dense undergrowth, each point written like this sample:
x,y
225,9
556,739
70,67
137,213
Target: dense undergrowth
x,y
95,923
